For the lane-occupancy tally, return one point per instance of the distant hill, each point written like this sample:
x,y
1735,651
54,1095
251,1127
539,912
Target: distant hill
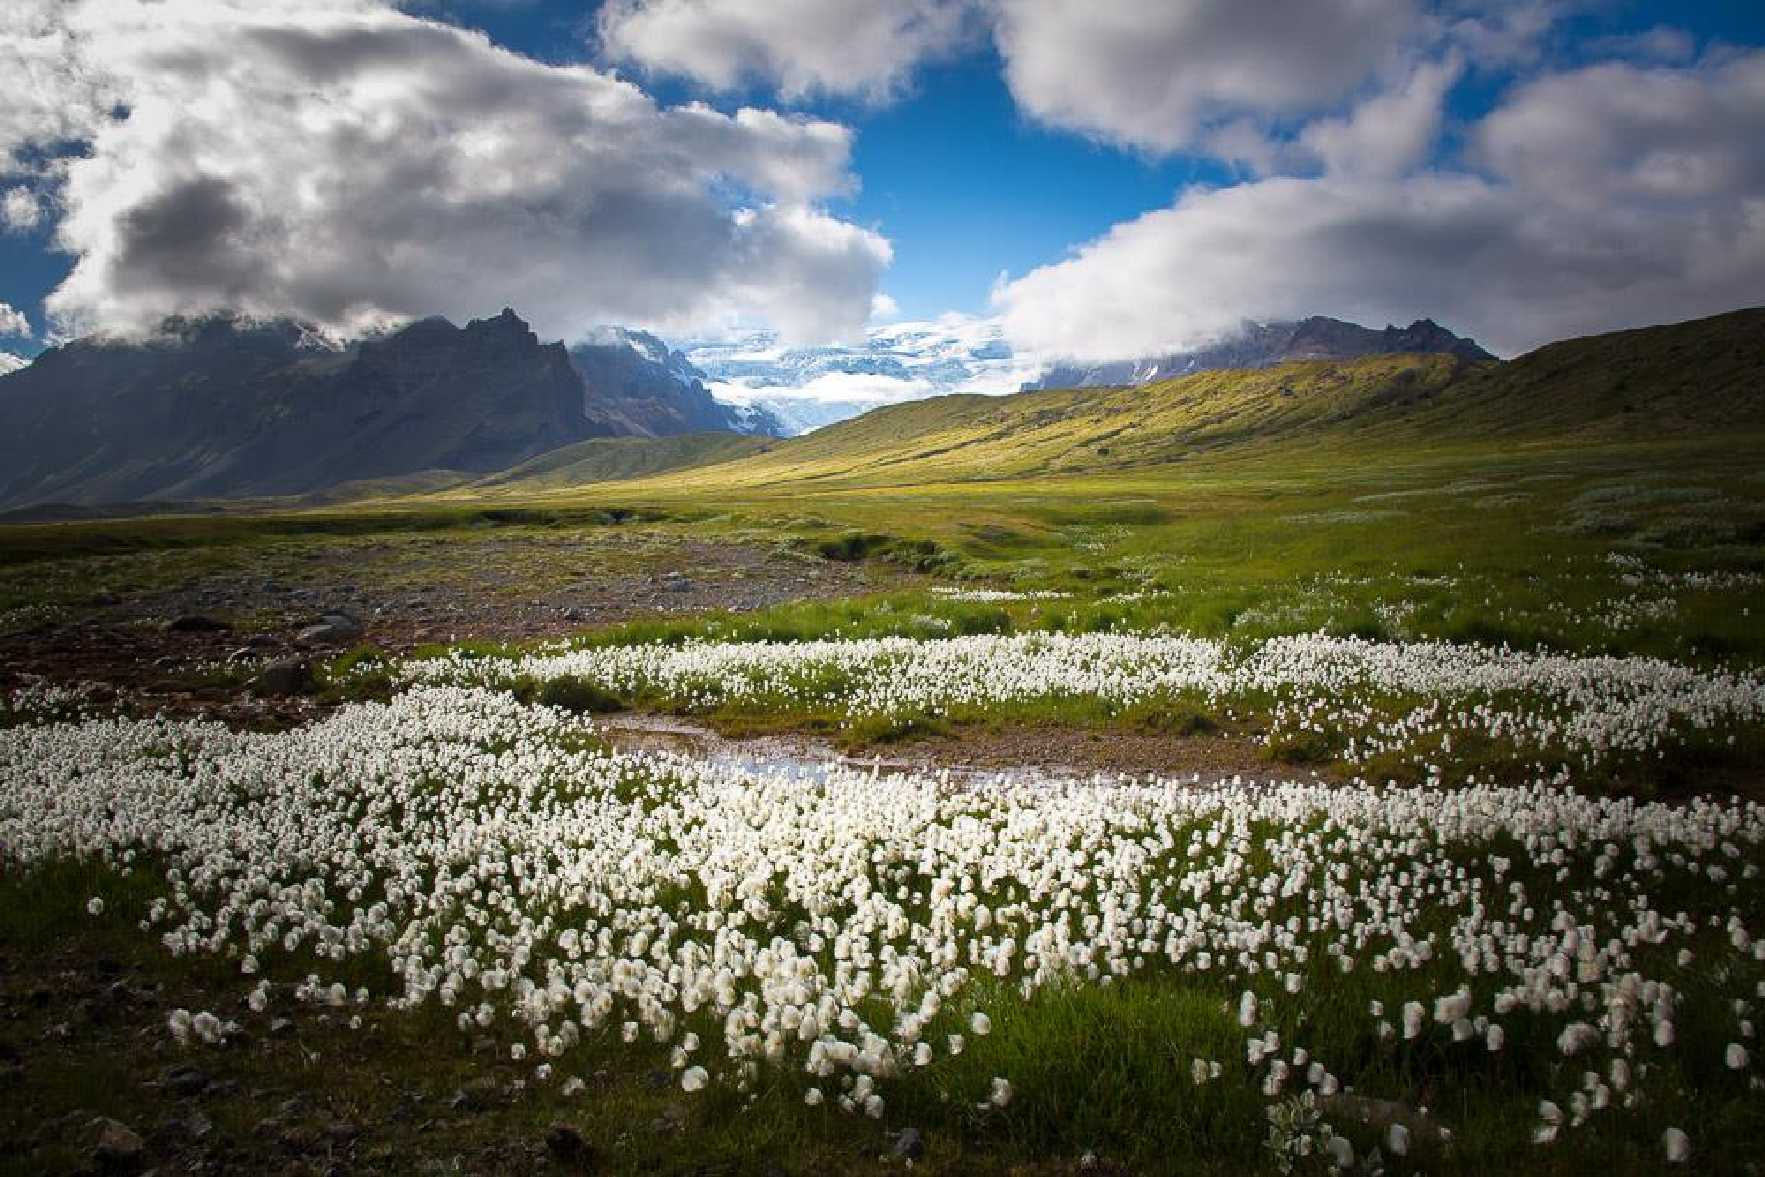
x,y
1700,378
609,459
222,407
1263,345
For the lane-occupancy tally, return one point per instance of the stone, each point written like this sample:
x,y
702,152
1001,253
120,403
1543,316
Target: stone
x,y
1379,1113
285,676
120,1148
566,1145
186,1081
195,623
333,628
909,1144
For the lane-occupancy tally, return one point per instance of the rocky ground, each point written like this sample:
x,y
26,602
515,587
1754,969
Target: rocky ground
x,y
191,635
90,1080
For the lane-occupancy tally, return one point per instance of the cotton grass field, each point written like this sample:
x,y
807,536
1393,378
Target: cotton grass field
x,y
1491,900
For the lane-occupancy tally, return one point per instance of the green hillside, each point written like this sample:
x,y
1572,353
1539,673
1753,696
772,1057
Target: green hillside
x,y
1700,379
609,459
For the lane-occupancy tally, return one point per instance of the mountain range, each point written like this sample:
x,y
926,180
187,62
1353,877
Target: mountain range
x,y
222,407
807,388
1263,345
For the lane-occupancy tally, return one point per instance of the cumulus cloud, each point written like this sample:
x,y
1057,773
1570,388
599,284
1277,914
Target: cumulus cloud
x,y
1161,76
865,48
1157,76
20,210
11,363
347,163
13,323
1389,133
1605,197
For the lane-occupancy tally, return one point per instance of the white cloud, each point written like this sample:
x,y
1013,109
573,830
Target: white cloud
x,y
346,163
11,363
1611,196
883,308
1503,34
1662,43
803,47
1160,76
19,210
13,323
1390,133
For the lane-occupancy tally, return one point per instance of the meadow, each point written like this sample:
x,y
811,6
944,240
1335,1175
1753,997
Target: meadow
x,y
1491,898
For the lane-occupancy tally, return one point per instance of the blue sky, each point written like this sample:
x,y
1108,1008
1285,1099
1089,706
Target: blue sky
x,y
985,144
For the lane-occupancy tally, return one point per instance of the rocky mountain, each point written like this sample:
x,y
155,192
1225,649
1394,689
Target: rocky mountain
x,y
656,390
1263,345
227,407
808,387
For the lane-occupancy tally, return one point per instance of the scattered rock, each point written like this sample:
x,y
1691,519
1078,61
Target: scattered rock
x,y
186,1081
120,1148
285,676
195,623
909,1144
567,1147
1380,1113
333,628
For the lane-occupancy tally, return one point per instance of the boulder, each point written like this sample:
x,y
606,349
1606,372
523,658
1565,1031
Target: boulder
x,y
120,1148
285,676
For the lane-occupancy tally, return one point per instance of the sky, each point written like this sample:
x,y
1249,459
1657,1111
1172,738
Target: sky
x,y
1102,178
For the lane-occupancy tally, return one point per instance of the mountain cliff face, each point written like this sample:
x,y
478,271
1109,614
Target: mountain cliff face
x,y
655,390
1263,345
223,407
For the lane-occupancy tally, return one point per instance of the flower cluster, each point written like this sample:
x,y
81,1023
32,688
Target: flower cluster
x,y
847,927
1369,698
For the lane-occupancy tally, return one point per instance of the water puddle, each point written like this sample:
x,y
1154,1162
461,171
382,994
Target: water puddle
x,y
672,735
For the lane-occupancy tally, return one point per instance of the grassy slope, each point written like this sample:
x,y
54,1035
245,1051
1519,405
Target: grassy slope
x,y
607,459
1681,381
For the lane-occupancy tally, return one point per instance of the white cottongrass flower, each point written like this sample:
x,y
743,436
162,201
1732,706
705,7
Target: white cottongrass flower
x,y
1676,1144
694,1079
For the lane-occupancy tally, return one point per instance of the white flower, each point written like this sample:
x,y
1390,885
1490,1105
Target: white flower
x,y
94,906
980,1024
694,1079
1000,1094
1736,1057
1676,1144
1397,1140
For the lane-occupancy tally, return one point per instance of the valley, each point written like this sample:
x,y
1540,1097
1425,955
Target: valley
x,y
1360,761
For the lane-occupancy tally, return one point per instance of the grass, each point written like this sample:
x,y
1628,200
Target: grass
x,y
1392,500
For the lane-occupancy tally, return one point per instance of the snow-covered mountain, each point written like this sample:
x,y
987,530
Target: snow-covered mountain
x,y
808,387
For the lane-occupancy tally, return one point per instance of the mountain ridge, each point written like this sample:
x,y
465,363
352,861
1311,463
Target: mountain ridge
x,y
1263,345
222,406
